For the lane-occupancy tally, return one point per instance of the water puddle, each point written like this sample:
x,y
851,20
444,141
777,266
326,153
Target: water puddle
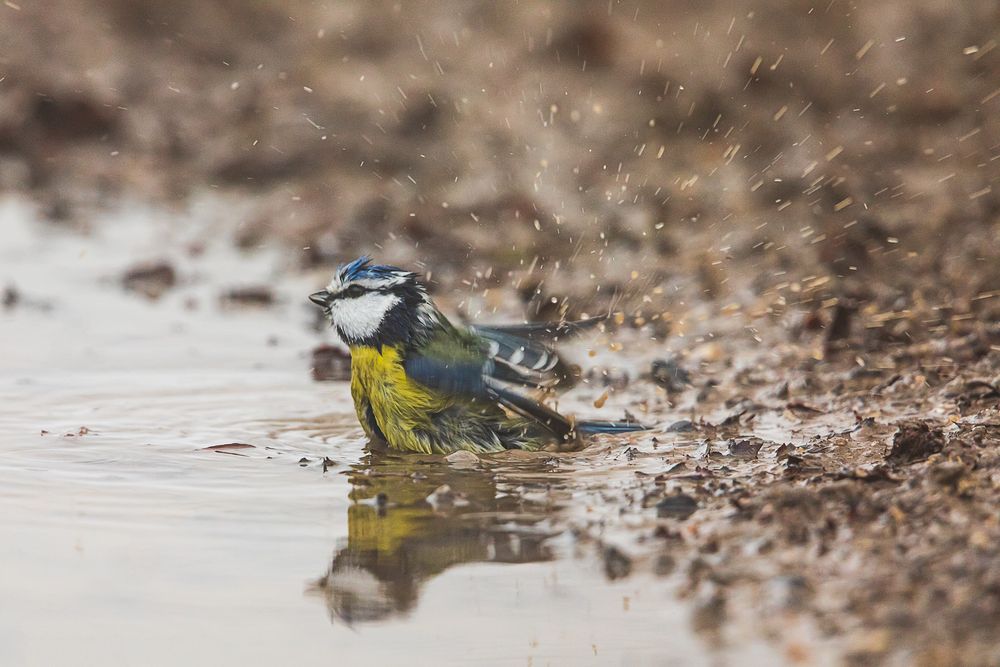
x,y
175,489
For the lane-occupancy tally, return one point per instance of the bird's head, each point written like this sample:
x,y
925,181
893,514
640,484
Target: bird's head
x,y
373,304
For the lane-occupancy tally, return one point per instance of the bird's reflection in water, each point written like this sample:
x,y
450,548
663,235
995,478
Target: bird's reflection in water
x,y
412,519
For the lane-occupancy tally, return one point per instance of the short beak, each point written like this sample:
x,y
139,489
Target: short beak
x,y
320,298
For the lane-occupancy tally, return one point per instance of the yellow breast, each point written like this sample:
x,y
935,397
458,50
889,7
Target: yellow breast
x,y
398,405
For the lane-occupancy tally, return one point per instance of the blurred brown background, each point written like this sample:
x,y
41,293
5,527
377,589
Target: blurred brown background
x,y
761,154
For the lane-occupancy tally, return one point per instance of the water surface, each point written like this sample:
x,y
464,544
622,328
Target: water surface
x,y
175,489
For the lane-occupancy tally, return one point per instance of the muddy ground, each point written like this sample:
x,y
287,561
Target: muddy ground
x,y
794,205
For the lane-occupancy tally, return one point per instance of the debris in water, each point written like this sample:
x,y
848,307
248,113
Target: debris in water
x,y
331,363
616,564
150,279
678,506
746,449
681,426
256,297
11,296
915,441
785,451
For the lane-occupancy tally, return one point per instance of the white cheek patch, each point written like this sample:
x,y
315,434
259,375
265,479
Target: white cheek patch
x,y
361,317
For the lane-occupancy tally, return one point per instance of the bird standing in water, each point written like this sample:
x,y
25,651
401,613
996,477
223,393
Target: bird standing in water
x,y
422,384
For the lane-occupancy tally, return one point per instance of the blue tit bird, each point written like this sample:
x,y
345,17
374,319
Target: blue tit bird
x,y
422,384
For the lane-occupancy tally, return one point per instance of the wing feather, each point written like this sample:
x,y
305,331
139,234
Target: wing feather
x,y
523,360
460,361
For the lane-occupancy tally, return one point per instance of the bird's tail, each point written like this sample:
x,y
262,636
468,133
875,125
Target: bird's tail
x,y
595,427
531,409
552,421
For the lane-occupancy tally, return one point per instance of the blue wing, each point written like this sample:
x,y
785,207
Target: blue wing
x,y
451,376
457,362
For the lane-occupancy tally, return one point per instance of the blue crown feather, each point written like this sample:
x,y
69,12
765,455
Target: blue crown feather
x,y
356,269
362,268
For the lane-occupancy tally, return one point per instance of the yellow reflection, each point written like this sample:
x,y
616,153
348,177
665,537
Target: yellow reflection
x,y
411,519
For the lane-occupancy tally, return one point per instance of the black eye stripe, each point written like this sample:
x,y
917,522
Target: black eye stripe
x,y
353,292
